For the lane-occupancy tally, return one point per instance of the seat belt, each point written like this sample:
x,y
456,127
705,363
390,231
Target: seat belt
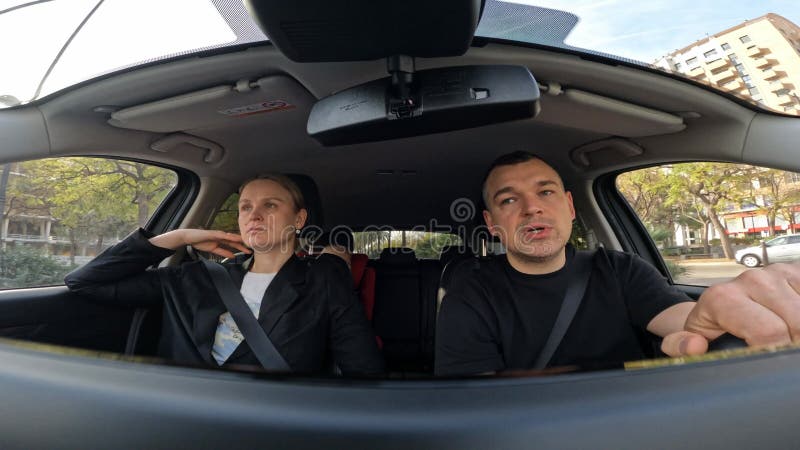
x,y
581,272
256,337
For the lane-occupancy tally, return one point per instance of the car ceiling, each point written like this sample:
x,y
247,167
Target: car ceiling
x,y
404,181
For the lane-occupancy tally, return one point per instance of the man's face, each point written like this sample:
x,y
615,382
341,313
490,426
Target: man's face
x,y
529,210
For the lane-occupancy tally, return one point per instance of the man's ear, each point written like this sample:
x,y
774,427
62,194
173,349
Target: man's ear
x,y
571,206
487,217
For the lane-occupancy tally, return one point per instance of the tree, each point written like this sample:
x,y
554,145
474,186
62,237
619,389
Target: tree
x,y
713,185
779,196
432,244
90,198
646,190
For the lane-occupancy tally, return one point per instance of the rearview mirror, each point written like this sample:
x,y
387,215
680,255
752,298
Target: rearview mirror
x,y
437,100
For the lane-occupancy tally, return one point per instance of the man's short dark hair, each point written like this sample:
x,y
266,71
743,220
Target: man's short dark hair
x,y
510,159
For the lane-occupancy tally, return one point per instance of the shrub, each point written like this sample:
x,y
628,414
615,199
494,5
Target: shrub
x,y
23,266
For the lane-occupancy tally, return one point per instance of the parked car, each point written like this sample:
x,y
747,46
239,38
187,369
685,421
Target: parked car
x,y
779,249
128,114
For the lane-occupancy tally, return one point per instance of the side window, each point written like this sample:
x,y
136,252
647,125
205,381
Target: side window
x,y
60,213
709,219
226,218
778,241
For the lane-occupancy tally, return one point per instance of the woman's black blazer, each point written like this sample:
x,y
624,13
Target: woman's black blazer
x,y
309,311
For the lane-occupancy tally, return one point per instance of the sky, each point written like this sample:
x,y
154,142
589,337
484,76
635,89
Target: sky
x,y
119,33
618,27
123,32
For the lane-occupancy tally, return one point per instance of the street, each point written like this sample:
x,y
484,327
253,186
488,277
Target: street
x,y
705,272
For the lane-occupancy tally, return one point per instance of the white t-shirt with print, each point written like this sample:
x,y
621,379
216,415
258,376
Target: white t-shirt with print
x,y
228,336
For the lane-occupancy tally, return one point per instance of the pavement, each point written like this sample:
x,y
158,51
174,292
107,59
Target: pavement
x,y
705,272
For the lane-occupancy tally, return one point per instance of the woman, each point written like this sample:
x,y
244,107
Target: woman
x,y
307,308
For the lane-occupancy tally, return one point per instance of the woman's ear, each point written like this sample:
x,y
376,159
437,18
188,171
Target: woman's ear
x,y
300,219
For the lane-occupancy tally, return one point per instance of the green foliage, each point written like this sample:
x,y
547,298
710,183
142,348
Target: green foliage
x,y
659,234
674,268
23,266
432,245
426,245
226,218
88,198
578,237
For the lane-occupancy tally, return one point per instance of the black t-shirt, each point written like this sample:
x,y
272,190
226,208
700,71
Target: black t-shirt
x,y
495,318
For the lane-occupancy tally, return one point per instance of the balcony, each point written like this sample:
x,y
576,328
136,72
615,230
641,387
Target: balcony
x,y
765,62
757,51
785,100
723,76
718,65
734,86
772,74
781,99
697,73
37,238
777,86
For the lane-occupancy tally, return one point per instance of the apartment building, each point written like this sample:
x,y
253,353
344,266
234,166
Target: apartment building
x,y
758,59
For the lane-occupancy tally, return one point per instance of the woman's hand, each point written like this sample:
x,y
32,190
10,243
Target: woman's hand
x,y
212,241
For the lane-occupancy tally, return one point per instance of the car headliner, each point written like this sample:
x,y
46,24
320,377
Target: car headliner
x,y
401,182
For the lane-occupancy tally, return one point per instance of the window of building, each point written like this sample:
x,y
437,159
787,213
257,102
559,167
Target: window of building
x,y
745,39
691,61
678,66
753,91
746,78
733,58
792,177
726,46
780,92
710,53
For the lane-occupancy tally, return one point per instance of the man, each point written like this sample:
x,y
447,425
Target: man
x,y
498,313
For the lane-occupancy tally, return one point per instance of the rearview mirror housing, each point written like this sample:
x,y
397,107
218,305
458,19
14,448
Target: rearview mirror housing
x,y
438,100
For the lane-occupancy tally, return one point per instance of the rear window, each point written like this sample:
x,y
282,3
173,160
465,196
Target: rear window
x,y
425,244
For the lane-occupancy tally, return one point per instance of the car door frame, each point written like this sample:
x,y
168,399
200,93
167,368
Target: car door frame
x,y
54,315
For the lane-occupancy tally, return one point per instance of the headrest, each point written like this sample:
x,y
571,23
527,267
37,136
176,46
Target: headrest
x,y
341,236
450,252
358,265
315,221
398,255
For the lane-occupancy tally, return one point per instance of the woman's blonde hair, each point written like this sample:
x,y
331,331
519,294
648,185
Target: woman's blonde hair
x,y
283,181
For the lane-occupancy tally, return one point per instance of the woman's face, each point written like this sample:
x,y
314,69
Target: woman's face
x,y
268,217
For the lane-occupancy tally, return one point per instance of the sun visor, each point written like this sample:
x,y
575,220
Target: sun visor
x,y
274,97
359,30
593,112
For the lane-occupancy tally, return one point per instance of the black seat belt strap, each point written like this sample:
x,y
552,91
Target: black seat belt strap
x,y
256,338
581,271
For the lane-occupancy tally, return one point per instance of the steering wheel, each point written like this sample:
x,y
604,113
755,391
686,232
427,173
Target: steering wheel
x,y
726,341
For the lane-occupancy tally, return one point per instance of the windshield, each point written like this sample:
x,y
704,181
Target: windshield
x,y
747,49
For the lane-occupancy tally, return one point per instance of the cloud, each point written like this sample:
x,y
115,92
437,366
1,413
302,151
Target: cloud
x,y
650,29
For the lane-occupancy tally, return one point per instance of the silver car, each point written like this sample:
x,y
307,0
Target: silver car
x,y
780,249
